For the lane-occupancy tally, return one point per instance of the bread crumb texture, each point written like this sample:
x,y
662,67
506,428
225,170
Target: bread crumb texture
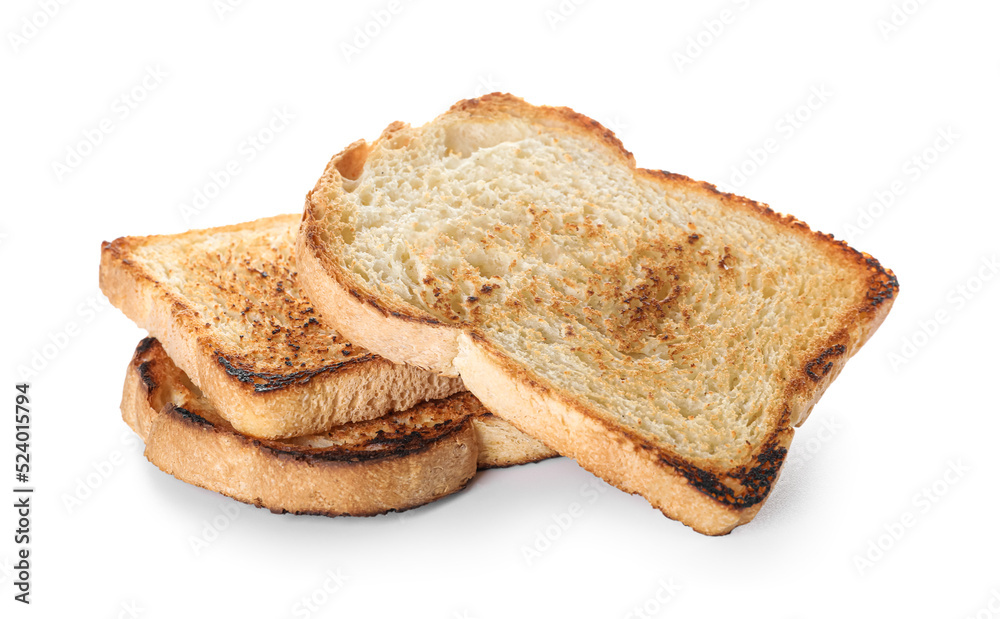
x,y
660,304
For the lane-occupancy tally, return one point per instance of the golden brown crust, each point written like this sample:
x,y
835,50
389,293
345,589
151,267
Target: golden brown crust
x,y
401,461
429,344
361,469
501,445
739,489
735,492
676,488
290,374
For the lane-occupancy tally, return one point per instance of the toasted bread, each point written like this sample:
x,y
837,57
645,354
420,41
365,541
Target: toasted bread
x,y
227,307
396,462
666,335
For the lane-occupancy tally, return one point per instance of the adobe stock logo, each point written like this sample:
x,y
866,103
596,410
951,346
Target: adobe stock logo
x,y
666,591
923,501
898,17
101,470
61,338
224,8
957,299
916,167
229,512
366,33
803,452
485,85
308,605
989,610
547,536
712,30
122,107
247,151
788,125
130,610
32,25
560,13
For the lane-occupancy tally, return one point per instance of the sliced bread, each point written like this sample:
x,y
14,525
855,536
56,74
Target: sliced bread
x,y
396,462
227,307
666,335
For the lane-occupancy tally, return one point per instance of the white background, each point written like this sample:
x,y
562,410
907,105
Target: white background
x,y
887,430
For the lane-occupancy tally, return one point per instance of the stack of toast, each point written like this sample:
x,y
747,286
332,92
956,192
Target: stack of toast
x,y
497,287
246,390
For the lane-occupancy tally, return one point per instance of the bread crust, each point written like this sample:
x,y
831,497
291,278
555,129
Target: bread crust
x,y
265,404
378,466
372,475
710,499
501,445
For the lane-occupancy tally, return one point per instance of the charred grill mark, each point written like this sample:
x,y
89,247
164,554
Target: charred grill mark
x,y
269,381
818,362
755,481
145,345
883,287
146,375
383,445
188,416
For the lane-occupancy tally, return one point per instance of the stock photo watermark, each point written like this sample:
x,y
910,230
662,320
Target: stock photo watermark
x,y
560,13
121,108
20,572
129,609
30,26
667,589
211,529
61,338
785,129
617,125
898,16
916,167
712,29
100,471
313,602
561,522
247,151
956,299
225,8
804,451
486,84
922,502
6,570
368,31
23,490
990,609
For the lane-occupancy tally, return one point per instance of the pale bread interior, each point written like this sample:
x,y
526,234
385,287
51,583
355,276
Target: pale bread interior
x,y
667,312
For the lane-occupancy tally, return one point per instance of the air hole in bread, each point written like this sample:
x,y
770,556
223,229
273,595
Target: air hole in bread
x,y
464,139
352,163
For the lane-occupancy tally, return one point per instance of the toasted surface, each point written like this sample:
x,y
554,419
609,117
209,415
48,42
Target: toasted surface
x,y
226,304
501,444
664,334
398,461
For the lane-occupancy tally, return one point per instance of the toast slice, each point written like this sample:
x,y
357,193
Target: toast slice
x,y
226,305
396,462
664,334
